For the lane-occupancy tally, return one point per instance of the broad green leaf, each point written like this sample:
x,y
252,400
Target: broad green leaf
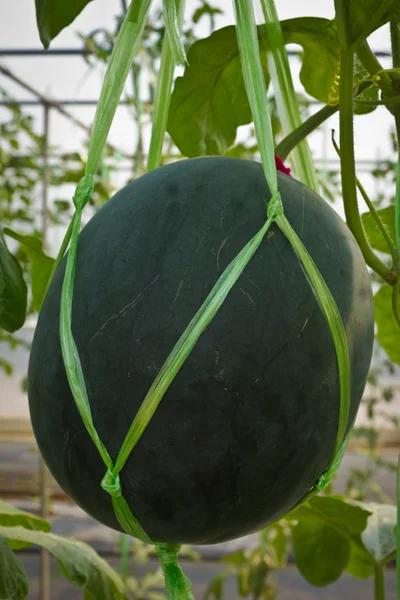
x,y
379,536
321,552
343,516
361,564
209,102
375,237
54,15
10,516
13,290
362,17
13,578
319,40
388,329
42,265
81,565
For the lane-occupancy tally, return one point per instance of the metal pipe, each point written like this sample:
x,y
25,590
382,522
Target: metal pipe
x,y
15,52
53,103
46,174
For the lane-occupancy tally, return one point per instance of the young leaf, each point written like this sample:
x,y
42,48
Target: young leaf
x,y
388,329
375,237
42,265
14,583
379,537
321,552
79,562
13,290
54,15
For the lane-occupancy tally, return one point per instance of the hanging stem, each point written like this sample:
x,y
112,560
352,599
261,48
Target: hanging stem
x,y
288,108
163,96
398,530
395,38
379,579
347,160
374,212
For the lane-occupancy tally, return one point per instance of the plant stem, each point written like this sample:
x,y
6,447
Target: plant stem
x,y
284,148
288,108
395,39
373,66
347,164
398,530
163,96
138,167
379,579
374,212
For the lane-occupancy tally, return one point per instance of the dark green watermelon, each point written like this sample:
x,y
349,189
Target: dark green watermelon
x,y
250,422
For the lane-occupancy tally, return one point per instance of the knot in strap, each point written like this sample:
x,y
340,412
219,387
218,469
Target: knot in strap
x,y
83,192
324,480
111,484
275,206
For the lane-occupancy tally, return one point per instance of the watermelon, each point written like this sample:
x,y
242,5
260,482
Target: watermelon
x,y
250,421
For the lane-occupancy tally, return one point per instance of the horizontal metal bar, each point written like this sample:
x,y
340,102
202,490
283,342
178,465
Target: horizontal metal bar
x,y
39,52
55,101
84,52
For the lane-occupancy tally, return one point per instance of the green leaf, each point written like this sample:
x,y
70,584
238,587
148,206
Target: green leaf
x,y
13,290
10,516
81,565
379,537
375,237
319,40
362,17
54,15
388,329
361,563
321,552
42,265
325,515
14,583
210,102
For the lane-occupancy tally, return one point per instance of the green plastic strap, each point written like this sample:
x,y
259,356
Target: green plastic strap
x,y
176,582
246,28
173,17
188,339
117,72
162,98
